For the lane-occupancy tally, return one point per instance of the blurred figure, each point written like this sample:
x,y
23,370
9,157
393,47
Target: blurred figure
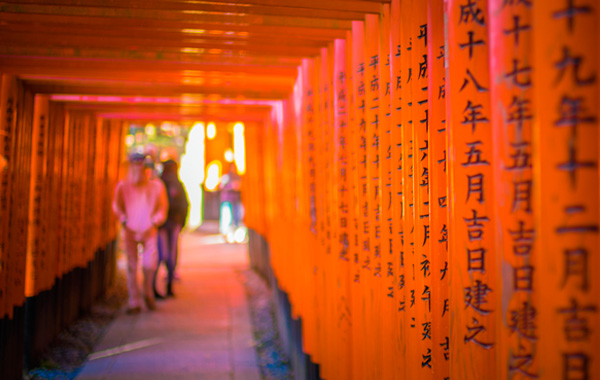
x,y
141,205
168,233
231,195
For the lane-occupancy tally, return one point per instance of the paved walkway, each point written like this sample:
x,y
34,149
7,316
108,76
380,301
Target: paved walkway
x,y
204,333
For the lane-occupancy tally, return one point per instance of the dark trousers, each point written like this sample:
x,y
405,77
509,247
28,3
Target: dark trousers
x,y
168,249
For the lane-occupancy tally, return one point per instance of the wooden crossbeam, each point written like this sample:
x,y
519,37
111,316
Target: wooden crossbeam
x,y
224,91
237,64
162,46
153,15
340,6
36,33
103,25
248,49
216,8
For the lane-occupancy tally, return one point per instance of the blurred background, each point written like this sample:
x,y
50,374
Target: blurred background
x,y
206,152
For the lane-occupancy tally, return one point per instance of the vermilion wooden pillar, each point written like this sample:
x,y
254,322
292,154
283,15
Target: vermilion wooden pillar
x,y
318,306
57,120
565,160
89,203
472,268
360,145
302,214
373,263
65,249
351,181
8,128
409,149
342,205
19,200
438,199
511,47
332,213
418,80
322,195
80,178
35,270
388,307
309,329
399,340
53,181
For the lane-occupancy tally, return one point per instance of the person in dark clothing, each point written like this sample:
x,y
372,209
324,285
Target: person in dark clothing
x,y
168,233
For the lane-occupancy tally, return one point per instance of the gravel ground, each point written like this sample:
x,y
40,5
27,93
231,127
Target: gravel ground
x,y
274,364
66,356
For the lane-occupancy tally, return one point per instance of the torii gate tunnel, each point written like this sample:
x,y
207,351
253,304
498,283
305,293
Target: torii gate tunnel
x,y
421,182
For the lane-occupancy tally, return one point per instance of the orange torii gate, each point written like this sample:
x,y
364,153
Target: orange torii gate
x,y
426,177
449,206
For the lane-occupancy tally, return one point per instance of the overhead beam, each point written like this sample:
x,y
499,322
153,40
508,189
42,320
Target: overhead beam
x,y
357,6
80,24
44,43
222,91
115,78
216,8
151,15
40,65
27,32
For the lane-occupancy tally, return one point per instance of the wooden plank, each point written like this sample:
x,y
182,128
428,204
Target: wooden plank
x,y
421,179
438,195
565,160
252,34
399,332
35,270
472,269
170,55
99,25
372,261
64,66
7,150
107,80
342,201
146,15
512,121
232,92
156,41
360,365
408,308
204,7
388,249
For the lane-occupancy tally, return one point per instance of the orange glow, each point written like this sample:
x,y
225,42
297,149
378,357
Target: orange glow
x,y
239,148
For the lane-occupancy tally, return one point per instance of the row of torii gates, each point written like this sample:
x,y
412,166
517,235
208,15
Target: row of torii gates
x,y
422,174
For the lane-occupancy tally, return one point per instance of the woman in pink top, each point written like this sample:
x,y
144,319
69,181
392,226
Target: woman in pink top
x,y
141,205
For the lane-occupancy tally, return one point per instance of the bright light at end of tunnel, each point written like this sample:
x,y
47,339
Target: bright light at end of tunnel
x,y
239,148
229,155
150,130
213,175
129,140
211,131
191,172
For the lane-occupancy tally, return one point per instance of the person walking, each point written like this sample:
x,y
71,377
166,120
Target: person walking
x,y
231,197
168,233
141,205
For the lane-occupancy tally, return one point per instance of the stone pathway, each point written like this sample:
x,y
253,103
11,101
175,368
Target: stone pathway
x,y
204,333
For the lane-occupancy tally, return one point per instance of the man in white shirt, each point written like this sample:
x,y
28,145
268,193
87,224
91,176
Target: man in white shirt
x,y
141,205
